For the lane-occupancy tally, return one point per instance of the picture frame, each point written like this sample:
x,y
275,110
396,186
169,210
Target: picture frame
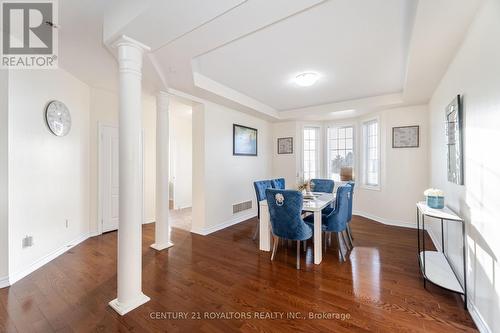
x,y
285,145
244,140
406,136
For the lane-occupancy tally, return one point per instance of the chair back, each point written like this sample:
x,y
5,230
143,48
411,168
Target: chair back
x,y
278,183
337,219
260,192
351,199
322,185
285,208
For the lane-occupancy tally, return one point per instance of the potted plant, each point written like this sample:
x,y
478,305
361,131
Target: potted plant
x,y
434,198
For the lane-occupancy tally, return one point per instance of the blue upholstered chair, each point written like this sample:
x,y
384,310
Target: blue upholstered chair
x,y
349,218
285,207
322,185
260,192
336,219
278,183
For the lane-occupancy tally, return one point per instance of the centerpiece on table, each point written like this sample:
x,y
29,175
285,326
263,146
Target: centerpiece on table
x,y
434,198
305,187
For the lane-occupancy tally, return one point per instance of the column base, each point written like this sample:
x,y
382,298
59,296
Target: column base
x,y
123,308
159,247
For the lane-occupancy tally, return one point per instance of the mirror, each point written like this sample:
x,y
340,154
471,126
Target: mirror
x,y
454,141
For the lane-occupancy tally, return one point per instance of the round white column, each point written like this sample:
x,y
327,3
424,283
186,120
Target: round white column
x,y
162,226
129,272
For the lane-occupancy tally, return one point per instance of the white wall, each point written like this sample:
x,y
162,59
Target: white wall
x,y
48,175
227,179
404,171
181,147
104,110
286,165
4,179
475,73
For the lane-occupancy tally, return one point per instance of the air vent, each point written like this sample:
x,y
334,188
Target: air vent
x,y
239,207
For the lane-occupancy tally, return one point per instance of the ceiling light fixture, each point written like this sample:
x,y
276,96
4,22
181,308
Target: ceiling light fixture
x,y
306,79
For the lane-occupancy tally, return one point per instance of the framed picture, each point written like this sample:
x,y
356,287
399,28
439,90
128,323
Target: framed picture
x,y
285,145
244,140
405,137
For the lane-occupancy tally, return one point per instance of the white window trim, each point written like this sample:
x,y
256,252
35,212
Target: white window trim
x,y
354,146
319,150
363,154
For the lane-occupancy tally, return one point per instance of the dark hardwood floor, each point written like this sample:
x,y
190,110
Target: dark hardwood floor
x,y
379,289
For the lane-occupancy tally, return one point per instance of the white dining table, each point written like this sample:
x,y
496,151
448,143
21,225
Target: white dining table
x,y
314,206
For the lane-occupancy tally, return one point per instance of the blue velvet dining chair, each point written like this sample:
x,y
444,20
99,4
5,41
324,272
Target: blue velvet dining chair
x,y
322,185
349,218
278,183
260,187
285,208
336,219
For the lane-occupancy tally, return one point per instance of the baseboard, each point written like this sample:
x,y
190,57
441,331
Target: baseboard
x,y
382,220
220,226
4,282
435,239
149,220
45,259
481,324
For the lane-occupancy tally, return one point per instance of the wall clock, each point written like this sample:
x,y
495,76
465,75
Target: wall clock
x,y
58,118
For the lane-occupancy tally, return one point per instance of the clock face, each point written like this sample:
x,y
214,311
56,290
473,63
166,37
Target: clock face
x,y
58,118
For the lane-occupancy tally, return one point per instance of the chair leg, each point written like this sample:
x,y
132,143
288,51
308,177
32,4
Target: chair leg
x,y
256,232
304,243
275,246
324,241
298,254
330,239
351,245
345,243
350,231
340,247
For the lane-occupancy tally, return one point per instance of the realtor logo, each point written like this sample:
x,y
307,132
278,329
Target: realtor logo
x,y
29,34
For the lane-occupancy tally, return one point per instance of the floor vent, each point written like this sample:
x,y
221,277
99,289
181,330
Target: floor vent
x,y
239,207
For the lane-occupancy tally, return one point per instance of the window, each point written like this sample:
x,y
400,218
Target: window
x,y
311,152
371,174
340,150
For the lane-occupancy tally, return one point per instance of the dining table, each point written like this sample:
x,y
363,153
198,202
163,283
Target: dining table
x,y
314,203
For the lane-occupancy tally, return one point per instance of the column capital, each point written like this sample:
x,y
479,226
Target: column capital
x,y
130,54
162,101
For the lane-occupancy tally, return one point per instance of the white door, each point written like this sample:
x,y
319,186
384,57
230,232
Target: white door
x,y
109,178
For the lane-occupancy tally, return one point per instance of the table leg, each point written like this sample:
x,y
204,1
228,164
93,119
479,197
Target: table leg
x,y
264,229
318,255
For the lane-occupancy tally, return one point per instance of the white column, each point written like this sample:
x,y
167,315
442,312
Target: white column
x,y
129,272
162,226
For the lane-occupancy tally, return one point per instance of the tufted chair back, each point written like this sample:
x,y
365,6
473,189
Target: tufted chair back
x,y
322,185
285,208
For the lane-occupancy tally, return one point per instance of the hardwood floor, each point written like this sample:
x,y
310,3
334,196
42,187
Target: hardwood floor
x,y
379,289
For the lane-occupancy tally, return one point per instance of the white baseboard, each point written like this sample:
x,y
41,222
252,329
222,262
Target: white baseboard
x,y
382,220
149,220
4,282
481,324
223,225
14,277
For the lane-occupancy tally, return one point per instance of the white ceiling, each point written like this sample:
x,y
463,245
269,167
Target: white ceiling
x,y
359,48
242,53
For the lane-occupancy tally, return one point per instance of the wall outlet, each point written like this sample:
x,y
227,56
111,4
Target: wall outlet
x,y
27,241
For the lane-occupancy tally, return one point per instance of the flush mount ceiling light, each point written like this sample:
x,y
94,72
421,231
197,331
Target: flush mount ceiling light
x,y
306,79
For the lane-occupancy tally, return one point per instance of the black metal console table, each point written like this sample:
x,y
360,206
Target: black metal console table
x,y
435,265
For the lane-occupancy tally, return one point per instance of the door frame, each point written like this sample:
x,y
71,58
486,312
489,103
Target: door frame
x,y
100,159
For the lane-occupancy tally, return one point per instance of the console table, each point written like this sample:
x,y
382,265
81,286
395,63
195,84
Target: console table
x,y
435,265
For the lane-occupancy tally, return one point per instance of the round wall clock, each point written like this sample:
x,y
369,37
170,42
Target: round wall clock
x,y
58,118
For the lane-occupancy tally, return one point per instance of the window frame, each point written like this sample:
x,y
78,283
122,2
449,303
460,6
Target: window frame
x,y
319,148
364,154
327,146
